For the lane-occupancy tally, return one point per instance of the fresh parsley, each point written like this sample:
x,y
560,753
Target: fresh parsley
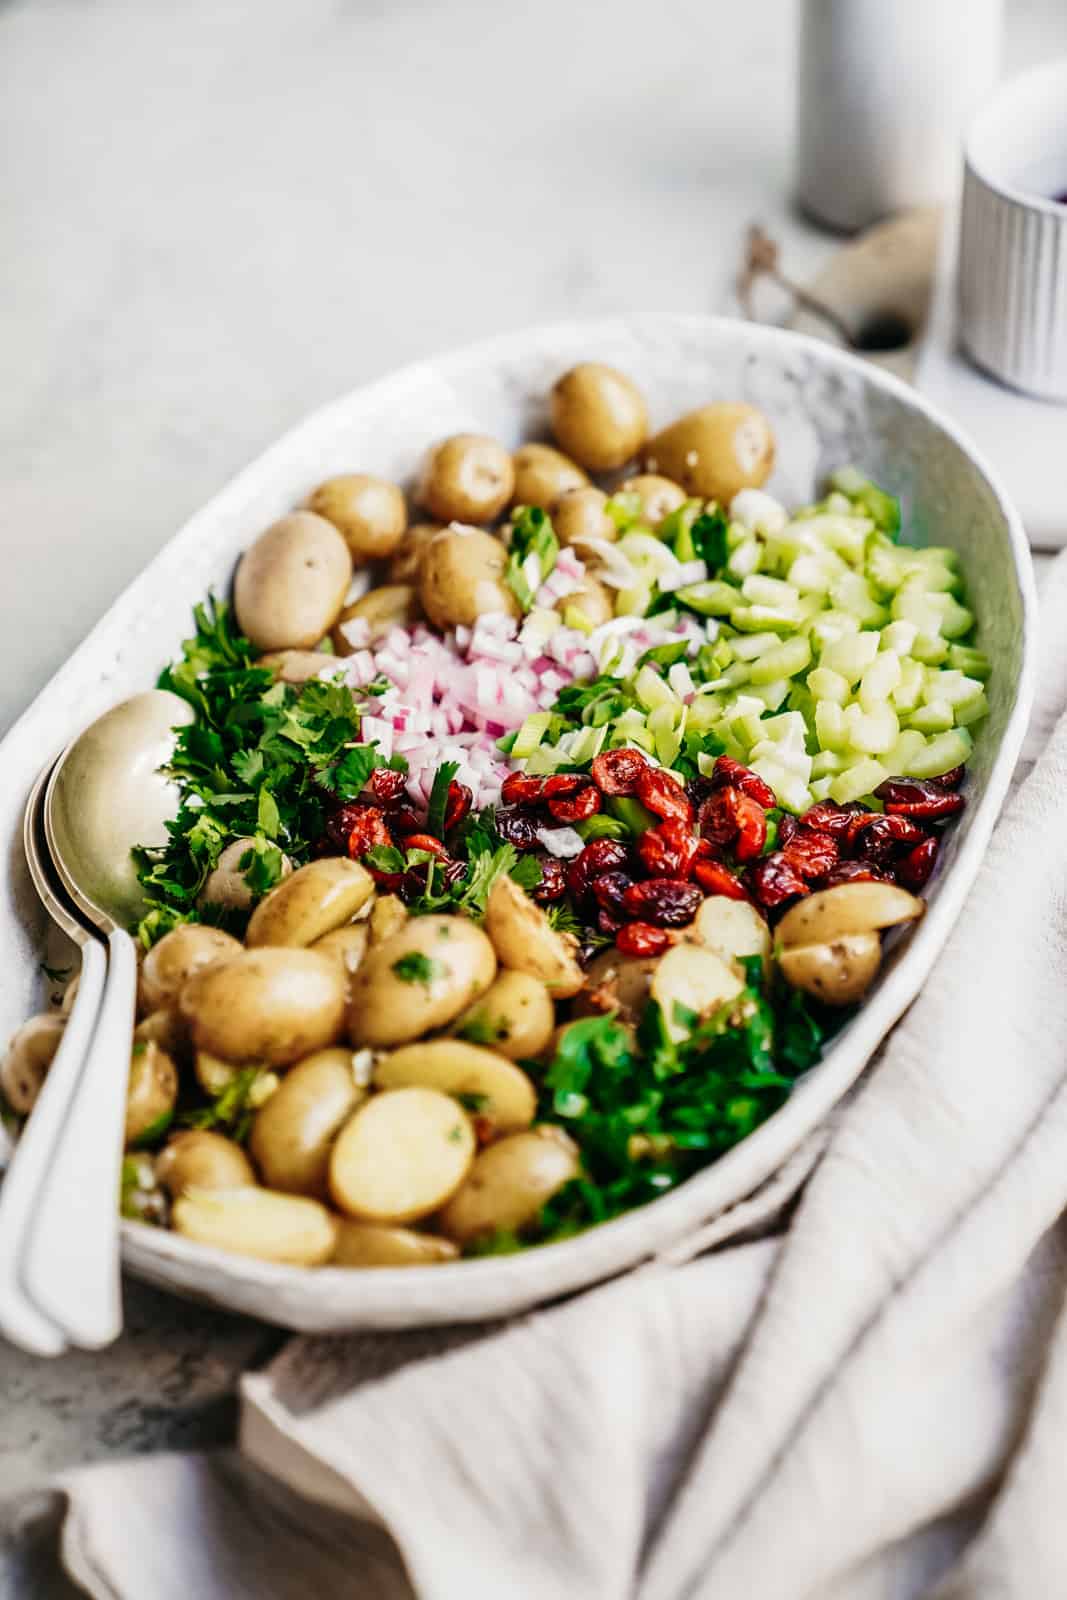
x,y
435,816
415,967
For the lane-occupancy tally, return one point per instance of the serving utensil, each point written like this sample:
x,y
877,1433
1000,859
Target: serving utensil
x,y
105,794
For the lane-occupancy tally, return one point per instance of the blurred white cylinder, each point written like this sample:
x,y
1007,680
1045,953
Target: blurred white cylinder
x,y
884,90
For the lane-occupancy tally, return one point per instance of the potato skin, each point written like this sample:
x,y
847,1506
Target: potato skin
x,y
392,605
313,901
347,946
151,1090
839,973
623,983
167,1028
580,516
226,885
848,908
504,1093
202,1159
658,496
598,415
515,1017
525,940
368,512
462,577
405,564
292,1135
458,965
543,475
287,1228
715,451
28,1058
509,1183
401,1156
592,600
291,583
267,1005
465,478
170,964
381,1244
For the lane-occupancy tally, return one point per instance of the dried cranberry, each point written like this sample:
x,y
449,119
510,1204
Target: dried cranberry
x,y
519,790
460,799
386,786
697,790
714,878
734,820
728,771
811,854
787,827
663,795
640,939
828,817
854,872
582,802
609,890
667,850
774,881
366,829
666,902
427,842
919,797
406,820
339,824
516,827
951,779
617,771
608,923
716,819
553,884
915,869
876,838
602,855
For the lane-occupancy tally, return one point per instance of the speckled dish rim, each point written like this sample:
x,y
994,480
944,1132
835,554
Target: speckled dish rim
x,y
339,1299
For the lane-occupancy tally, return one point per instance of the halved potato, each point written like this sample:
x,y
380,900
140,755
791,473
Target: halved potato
x,y
484,1082
315,900
509,1183
257,1222
515,1017
695,979
839,972
732,928
401,1156
376,1244
292,1135
418,979
347,946
849,908
614,982
202,1159
526,941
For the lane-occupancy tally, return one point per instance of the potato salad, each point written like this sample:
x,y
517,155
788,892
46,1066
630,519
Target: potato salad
x,y
540,822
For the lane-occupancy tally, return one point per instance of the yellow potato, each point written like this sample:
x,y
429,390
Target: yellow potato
x,y
462,577
201,1159
732,928
376,1244
716,451
227,886
580,516
614,982
515,1017
166,1028
598,415
401,1156
839,972
151,1089
267,1005
482,1081
28,1058
849,908
347,946
588,606
658,496
526,941
298,666
170,964
543,476
392,605
315,900
695,979
286,1228
388,916
466,478
418,979
509,1183
291,1137
292,583
404,567
368,512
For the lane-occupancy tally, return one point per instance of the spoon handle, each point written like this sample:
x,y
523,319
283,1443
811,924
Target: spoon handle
x,y
71,1269
34,1155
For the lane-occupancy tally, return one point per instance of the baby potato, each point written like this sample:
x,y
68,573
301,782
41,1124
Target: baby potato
x,y
526,941
28,1058
151,1090
316,899
543,475
368,512
462,577
515,1017
614,982
267,1005
201,1159
658,496
598,415
226,885
250,1221
292,582
388,915
849,908
580,516
170,964
166,1028
292,1135
392,605
376,1244
418,979
588,606
732,928
298,666
347,946
696,979
839,972
404,567
401,1156
466,478
509,1183
715,451
483,1081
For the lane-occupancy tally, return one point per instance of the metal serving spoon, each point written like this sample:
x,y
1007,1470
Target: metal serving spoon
x,y
104,795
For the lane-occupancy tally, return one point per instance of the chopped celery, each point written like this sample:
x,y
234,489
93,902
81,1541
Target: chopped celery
x,y
859,780
746,559
972,710
852,655
713,598
631,813
783,660
934,717
948,750
872,733
530,734
828,763
749,646
965,658
830,729
826,684
879,680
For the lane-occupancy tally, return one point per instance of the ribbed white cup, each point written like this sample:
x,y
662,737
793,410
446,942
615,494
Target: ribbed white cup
x,y
1013,235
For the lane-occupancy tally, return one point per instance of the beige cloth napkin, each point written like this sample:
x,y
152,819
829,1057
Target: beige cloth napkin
x,y
869,1406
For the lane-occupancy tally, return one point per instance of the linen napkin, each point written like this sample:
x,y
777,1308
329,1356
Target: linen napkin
x,y
868,1405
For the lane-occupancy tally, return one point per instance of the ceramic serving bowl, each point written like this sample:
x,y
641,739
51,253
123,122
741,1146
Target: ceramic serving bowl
x,y
828,409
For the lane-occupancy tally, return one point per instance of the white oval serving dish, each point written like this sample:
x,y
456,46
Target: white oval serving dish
x,y
828,409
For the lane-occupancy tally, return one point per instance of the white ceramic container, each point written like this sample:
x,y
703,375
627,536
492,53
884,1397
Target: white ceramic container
x,y
827,409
